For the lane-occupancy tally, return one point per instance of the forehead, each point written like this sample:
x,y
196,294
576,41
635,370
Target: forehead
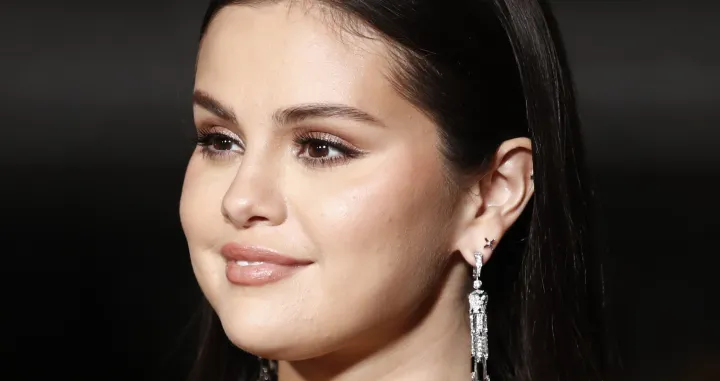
x,y
275,54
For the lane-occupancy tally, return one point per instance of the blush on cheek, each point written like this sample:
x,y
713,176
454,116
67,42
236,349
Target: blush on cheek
x,y
356,208
384,207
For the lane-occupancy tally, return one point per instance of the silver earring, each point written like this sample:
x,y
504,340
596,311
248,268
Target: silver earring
x,y
268,370
478,319
489,244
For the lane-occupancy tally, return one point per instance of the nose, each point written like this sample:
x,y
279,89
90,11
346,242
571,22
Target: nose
x,y
254,198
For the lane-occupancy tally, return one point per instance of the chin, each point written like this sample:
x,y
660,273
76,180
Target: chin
x,y
264,334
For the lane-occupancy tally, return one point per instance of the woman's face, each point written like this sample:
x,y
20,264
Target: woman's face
x,y
311,154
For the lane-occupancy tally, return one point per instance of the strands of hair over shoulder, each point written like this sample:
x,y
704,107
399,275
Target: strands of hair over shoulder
x,y
496,71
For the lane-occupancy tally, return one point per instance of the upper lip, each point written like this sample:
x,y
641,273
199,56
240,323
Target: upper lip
x,y
237,252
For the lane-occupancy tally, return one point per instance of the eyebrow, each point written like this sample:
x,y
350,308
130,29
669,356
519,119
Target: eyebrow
x,y
290,115
299,113
214,106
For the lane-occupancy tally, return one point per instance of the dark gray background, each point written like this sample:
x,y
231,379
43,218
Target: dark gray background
x,y
97,128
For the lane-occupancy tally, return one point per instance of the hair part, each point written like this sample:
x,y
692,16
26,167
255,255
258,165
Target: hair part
x,y
486,71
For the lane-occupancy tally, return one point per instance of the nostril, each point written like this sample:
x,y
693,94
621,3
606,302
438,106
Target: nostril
x,y
255,220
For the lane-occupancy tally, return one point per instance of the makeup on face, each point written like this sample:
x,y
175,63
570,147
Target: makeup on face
x,y
256,266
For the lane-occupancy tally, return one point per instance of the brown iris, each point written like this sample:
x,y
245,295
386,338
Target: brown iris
x,y
318,149
222,144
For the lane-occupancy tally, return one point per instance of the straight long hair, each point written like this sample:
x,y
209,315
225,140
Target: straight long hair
x,y
486,71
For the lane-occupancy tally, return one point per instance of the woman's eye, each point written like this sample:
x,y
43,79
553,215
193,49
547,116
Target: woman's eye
x,y
216,145
320,150
222,143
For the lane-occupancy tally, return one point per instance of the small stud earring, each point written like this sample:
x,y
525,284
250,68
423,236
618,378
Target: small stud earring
x,y
489,244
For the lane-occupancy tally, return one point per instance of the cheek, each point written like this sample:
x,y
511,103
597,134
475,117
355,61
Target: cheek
x,y
382,210
201,197
378,235
377,213
200,214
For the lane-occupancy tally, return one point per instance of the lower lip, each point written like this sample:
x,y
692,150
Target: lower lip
x,y
258,275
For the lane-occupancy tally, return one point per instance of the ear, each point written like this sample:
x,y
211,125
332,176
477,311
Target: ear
x,y
496,199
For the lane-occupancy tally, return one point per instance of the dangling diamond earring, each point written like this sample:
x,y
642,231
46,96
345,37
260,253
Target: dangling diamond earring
x,y
478,319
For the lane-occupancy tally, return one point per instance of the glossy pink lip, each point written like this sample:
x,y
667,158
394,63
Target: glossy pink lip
x,y
274,266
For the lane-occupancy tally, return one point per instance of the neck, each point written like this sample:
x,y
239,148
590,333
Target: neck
x,y
435,347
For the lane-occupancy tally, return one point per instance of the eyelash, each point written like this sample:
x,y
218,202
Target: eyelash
x,y
206,139
346,152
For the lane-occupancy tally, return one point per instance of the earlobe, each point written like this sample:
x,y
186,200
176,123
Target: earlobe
x,y
482,237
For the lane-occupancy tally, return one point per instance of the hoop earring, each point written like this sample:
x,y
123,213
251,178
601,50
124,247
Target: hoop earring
x,y
478,319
